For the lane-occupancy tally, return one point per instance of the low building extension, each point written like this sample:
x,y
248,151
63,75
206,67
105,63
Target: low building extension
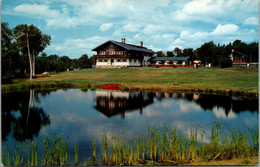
x,y
115,54
171,61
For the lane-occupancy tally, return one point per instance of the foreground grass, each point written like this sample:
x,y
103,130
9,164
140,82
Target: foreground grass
x,y
159,146
229,80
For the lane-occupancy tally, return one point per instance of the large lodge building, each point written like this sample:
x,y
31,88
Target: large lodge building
x,y
121,54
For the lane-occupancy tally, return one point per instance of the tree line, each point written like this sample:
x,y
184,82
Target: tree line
x,y
22,54
217,55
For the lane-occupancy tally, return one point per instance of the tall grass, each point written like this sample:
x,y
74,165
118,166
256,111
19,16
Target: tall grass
x,y
159,146
168,146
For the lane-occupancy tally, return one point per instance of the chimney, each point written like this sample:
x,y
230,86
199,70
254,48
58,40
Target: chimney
x,y
141,44
123,40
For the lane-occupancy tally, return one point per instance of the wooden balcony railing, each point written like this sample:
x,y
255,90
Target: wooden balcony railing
x,y
111,56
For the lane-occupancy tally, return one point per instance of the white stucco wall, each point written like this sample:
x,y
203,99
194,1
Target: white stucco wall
x,y
114,64
135,63
120,63
111,93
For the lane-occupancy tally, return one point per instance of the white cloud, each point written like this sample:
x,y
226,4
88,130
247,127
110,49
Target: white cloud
x,y
105,26
152,29
78,46
42,11
193,36
251,21
206,10
228,29
131,27
53,17
220,113
215,11
155,49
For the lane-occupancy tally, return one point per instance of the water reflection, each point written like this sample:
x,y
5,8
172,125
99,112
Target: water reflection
x,y
22,116
112,103
84,114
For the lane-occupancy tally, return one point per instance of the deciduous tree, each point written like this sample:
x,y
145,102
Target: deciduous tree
x,y
31,42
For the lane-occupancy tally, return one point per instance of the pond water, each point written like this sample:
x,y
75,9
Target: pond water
x,y
83,115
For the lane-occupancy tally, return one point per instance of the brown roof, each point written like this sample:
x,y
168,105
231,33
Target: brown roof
x,y
128,47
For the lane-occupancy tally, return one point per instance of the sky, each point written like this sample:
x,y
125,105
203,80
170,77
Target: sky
x,y
78,26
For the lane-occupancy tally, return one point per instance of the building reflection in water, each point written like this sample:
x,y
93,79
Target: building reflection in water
x,y
112,103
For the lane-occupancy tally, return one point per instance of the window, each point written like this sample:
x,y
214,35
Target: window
x,y
102,52
111,45
124,60
121,52
105,60
100,60
111,52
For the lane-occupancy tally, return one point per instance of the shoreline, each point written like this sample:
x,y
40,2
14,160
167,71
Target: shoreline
x,y
70,85
226,81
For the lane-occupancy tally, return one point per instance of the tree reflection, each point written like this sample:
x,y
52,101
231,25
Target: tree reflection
x,y
21,117
111,103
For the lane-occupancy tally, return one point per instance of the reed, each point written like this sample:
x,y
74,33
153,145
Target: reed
x,y
76,150
138,148
163,144
119,150
55,152
254,133
104,149
94,152
159,146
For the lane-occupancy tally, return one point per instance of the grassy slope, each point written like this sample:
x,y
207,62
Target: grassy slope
x,y
234,79
236,161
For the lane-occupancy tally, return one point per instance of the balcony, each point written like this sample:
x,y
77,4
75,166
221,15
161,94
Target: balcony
x,y
111,56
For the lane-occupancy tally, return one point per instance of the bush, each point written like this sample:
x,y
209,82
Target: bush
x,y
7,78
225,62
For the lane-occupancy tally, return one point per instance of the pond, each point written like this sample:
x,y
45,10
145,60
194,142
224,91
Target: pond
x,y
83,115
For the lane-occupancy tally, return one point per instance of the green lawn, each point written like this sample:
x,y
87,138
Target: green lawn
x,y
243,80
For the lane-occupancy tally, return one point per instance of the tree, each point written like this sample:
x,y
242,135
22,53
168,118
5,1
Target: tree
x,y
207,52
253,51
51,63
84,61
160,54
63,63
169,54
9,55
240,46
177,52
31,41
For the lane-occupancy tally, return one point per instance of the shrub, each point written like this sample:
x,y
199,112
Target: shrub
x,y
225,62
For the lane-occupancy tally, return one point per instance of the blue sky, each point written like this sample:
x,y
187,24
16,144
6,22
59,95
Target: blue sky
x,y
78,26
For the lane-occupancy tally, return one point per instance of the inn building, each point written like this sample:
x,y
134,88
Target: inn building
x,y
121,54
